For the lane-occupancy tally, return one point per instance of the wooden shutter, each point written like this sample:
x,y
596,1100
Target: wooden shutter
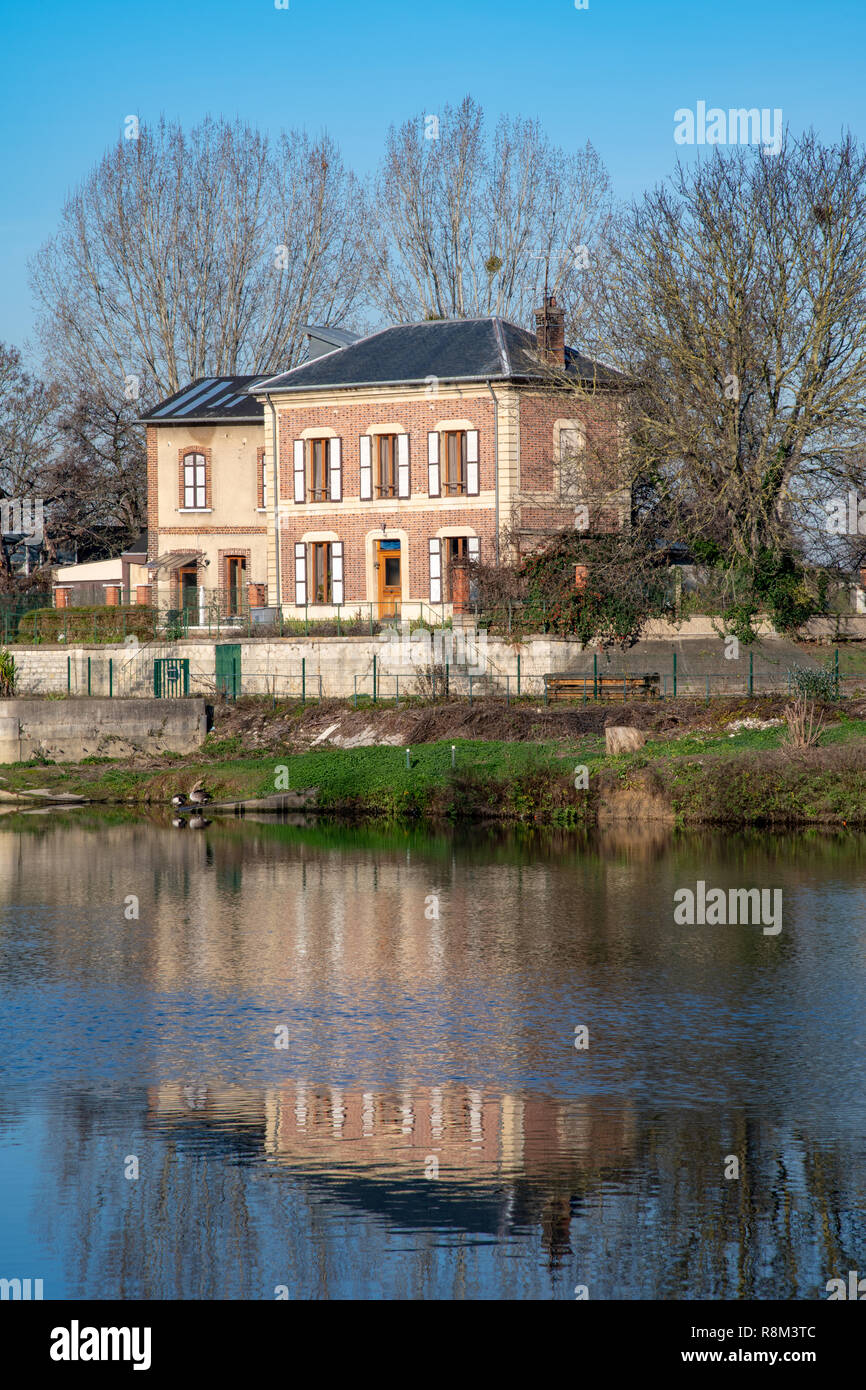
x,y
336,571
300,454
473,549
335,460
366,468
403,482
472,463
300,574
433,488
435,570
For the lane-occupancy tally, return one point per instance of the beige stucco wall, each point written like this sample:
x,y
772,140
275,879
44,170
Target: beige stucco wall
x,y
234,520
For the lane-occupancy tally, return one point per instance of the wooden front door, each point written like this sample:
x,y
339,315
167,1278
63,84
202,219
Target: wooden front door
x,y
390,582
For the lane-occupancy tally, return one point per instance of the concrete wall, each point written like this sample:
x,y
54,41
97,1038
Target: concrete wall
x,y
345,664
68,730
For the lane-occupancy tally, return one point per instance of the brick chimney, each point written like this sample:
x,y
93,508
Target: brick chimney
x,y
550,332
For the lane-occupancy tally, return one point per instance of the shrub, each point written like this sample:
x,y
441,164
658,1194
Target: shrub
x,y
819,683
8,674
98,623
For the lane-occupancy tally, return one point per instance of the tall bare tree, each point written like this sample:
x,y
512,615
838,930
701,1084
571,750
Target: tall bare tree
x,y
462,224
736,304
185,254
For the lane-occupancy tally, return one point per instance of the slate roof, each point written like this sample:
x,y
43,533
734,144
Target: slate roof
x,y
449,349
209,400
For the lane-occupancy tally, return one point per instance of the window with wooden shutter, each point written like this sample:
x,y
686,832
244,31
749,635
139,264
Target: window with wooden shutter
x,y
337,572
433,480
300,574
435,570
404,483
366,468
194,481
300,490
472,487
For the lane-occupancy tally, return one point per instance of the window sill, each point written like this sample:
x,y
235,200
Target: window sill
x,y
200,511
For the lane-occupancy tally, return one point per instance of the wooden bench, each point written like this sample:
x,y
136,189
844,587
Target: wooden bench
x,y
570,687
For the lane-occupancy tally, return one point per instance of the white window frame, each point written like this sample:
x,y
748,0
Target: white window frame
x,y
194,482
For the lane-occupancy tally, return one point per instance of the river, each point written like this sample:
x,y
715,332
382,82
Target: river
x,y
262,1060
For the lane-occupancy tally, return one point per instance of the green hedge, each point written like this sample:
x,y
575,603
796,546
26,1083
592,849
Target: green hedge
x,y
92,624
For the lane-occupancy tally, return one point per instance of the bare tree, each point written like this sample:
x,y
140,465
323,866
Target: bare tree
x,y
737,305
462,225
185,254
97,485
27,434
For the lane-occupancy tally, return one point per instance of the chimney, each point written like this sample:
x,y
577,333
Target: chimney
x,y
550,332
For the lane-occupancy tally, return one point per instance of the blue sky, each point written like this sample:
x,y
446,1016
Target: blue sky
x,y
614,74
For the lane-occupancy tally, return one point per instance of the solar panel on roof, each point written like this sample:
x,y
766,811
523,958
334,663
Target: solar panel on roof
x,y
199,400
186,396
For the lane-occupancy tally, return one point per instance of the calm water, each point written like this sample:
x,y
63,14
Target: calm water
x,y
429,1130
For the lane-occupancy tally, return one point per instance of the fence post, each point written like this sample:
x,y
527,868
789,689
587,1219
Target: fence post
x,y
836,665
88,675
303,680
470,690
751,673
356,691
111,678
545,689
518,675
507,691
675,673
595,675
708,690
69,675
397,689
447,679
623,689
374,678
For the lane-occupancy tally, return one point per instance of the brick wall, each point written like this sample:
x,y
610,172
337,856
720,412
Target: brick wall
x,y
352,520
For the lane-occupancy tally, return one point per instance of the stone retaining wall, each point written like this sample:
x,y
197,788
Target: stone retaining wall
x,y
68,730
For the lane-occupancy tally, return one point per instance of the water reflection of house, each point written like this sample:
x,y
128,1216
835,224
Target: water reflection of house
x,y
390,1135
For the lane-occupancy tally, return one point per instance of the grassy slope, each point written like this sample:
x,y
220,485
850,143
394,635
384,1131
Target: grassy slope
x,y
707,776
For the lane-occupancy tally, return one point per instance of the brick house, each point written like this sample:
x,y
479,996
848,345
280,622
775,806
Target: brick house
x,y
360,477
409,449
